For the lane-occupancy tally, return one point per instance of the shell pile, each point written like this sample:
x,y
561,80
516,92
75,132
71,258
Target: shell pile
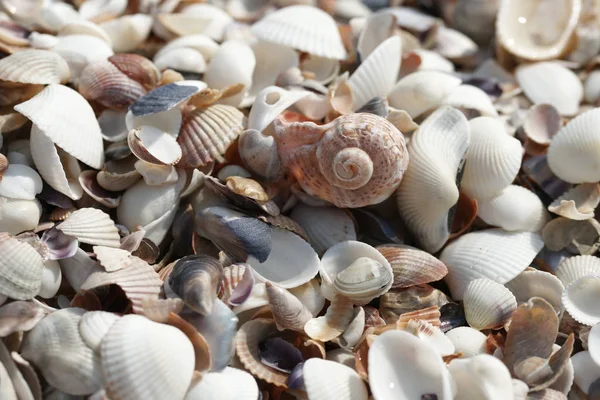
x,y
299,199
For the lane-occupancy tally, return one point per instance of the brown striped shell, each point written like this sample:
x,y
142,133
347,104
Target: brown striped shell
x,y
354,161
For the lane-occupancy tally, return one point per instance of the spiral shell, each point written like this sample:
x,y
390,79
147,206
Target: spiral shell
x,y
354,161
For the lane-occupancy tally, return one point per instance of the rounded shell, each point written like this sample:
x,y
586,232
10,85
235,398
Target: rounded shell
x,y
488,305
354,161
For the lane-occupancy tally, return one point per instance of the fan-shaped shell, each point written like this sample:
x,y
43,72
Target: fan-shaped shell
x,y
40,67
67,119
412,266
146,360
353,161
493,159
90,225
302,27
488,305
492,253
429,189
324,379
580,299
21,269
572,155
206,134
94,325
576,267
578,203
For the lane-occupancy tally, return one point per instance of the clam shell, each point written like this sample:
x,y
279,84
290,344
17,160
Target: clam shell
x,y
207,133
181,59
432,61
324,379
81,50
206,19
578,203
57,349
481,376
335,321
576,267
154,146
515,208
21,269
78,268
162,99
195,279
288,311
203,44
542,284
467,341
127,32
376,29
304,28
422,91
431,315
144,359
19,215
156,175
118,175
551,83
506,255
83,27
310,295
488,305
20,182
542,122
101,9
364,280
51,279
468,97
94,325
594,343
572,153
429,188
493,159
68,120
231,383
40,67
412,266
90,225
259,154
580,299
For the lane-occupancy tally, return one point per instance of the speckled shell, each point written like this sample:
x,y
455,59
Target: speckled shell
x,y
365,147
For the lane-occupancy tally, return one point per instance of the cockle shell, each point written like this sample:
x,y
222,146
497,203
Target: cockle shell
x,y
578,203
364,280
21,269
90,225
412,266
353,161
34,67
429,190
580,298
326,379
488,304
470,98
78,268
577,267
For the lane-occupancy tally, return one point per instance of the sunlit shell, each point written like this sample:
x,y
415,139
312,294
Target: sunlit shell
x,y
83,27
412,266
470,98
578,203
34,67
80,50
576,267
326,379
92,226
580,298
586,371
481,376
488,305
19,316
335,321
94,325
21,269
196,18
364,280
20,182
19,215
112,259
127,32
269,103
154,146
542,284
467,341
231,383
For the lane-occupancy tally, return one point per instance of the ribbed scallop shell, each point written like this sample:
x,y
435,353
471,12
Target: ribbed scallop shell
x,y
467,341
429,189
304,28
551,83
354,161
581,298
40,67
542,284
142,359
111,258
573,152
324,380
94,325
576,267
493,159
21,269
104,82
492,253
514,209
488,305
578,203
412,266
206,134
67,119
92,226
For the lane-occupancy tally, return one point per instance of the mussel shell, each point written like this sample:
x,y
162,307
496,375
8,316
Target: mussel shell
x,y
196,280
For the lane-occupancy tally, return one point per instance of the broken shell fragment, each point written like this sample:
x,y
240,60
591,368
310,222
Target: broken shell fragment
x,y
578,203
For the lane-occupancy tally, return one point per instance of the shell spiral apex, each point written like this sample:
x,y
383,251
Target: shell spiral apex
x,y
354,161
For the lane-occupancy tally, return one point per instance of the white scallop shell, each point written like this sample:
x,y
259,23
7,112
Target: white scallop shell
x,y
481,377
488,304
81,50
551,83
304,28
493,159
467,341
576,267
271,60
40,67
94,325
377,74
20,182
91,225
492,253
577,203
111,258
515,208
542,284
581,299
389,378
428,189
422,91
291,263
146,360
468,97
324,380
127,32
229,384
17,216
269,103
586,371
21,268
573,152
67,119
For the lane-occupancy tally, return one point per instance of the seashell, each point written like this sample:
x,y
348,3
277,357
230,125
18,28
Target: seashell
x,y
51,279
551,83
427,376
324,379
484,175
181,59
288,311
77,268
586,371
39,67
304,28
416,22
377,28
269,103
422,91
579,299
515,208
231,383
437,150
507,254
83,27
54,16
81,50
310,296
401,302
470,98
273,59
432,335
430,315
412,266
67,119
259,154
351,185
562,232
112,259
542,284
19,316
57,349
195,279
577,267
90,225
488,305
102,9
206,19
94,325
571,153
594,343
244,193
377,74
207,133
481,376
578,203
546,36
159,310
89,184
154,146
127,32
238,281
468,342
21,268
144,359
541,124
156,175
203,44
591,90
138,281
118,175
20,182
455,45
364,280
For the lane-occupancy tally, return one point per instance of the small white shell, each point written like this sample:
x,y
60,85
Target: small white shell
x,y
488,305
586,371
17,216
93,226
310,295
481,377
594,343
336,320
492,253
84,27
95,9
432,61
154,174
181,59
81,50
552,83
269,103
432,335
542,284
468,97
20,182
577,203
326,380
21,268
591,87
576,267
203,44
305,28
229,384
581,298
467,341
127,32
206,19
51,279
40,67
